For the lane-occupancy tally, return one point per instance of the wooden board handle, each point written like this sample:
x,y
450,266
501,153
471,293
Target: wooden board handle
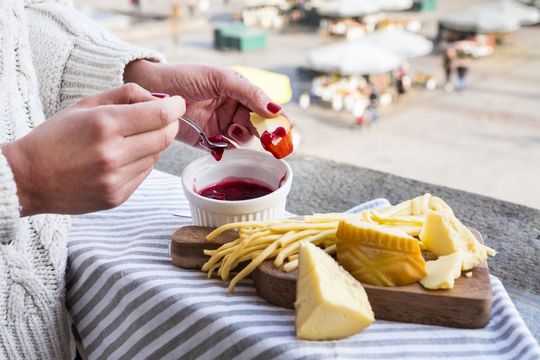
x,y
189,242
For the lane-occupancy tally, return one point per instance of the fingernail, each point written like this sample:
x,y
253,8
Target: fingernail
x,y
159,95
238,132
273,107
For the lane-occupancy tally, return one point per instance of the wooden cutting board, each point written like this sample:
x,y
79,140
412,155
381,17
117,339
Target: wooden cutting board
x,y
467,305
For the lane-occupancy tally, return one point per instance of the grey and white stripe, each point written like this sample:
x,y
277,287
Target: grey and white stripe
x,y
129,302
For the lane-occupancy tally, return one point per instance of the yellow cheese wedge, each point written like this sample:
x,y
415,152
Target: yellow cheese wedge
x,y
474,253
377,255
444,234
438,234
442,272
330,303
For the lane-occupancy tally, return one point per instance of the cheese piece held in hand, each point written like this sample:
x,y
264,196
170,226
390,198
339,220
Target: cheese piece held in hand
x,y
377,255
442,272
275,134
330,303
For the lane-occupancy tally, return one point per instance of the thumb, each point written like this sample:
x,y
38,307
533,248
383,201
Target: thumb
x,y
129,93
249,95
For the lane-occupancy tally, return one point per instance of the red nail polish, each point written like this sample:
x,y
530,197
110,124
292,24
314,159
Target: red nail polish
x,y
273,107
159,95
237,131
185,102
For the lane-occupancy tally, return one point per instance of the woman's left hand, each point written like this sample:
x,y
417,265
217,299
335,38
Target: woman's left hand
x,y
219,99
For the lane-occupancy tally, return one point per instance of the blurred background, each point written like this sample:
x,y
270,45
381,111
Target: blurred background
x,y
442,91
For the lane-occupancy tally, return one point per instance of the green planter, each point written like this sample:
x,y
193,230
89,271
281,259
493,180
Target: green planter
x,y
236,36
219,42
245,40
425,5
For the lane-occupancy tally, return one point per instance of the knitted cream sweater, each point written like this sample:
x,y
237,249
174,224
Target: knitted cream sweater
x,y
50,56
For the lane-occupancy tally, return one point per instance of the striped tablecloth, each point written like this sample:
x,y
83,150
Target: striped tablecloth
x,y
128,302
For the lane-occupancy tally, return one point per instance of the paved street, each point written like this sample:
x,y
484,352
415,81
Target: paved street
x,y
485,140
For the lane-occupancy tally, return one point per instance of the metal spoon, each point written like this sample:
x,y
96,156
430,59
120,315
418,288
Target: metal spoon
x,y
205,142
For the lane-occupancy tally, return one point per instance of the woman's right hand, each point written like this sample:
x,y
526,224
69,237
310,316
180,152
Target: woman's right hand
x,y
93,155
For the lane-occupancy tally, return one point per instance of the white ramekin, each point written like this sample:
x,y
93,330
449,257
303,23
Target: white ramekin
x,y
240,163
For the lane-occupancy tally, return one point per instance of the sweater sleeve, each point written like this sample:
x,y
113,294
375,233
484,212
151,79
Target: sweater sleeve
x,y
9,203
74,57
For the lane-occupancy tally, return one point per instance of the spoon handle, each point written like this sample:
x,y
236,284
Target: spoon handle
x,y
205,141
193,125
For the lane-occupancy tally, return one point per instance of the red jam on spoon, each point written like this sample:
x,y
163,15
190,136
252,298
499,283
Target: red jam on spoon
x,y
217,153
236,189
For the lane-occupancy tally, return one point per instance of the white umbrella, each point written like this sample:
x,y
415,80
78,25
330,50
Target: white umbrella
x,y
256,3
526,15
481,18
394,5
402,43
353,58
347,8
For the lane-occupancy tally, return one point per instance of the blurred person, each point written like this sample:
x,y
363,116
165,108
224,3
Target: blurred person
x,y
372,110
403,82
75,140
191,7
448,62
462,70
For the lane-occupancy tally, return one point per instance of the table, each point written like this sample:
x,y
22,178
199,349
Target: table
x,y
128,301
325,186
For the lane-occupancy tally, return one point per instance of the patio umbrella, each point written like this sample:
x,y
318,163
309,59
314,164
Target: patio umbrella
x,y
277,86
394,5
402,43
482,18
526,15
347,8
353,58
256,3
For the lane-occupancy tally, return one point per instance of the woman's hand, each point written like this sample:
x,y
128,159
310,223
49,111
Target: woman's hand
x,y
219,99
94,154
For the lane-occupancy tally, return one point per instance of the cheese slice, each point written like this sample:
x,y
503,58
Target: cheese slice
x,y
473,252
443,234
442,272
330,303
419,205
378,255
270,124
412,230
438,234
